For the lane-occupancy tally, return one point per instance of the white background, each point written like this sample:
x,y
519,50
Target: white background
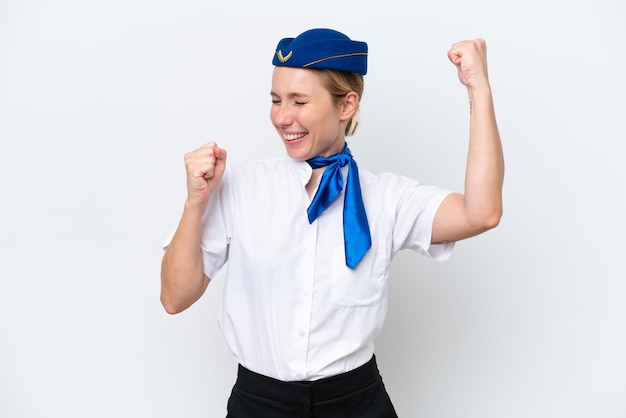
x,y
100,100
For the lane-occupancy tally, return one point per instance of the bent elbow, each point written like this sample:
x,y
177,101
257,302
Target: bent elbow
x,y
170,306
484,220
492,220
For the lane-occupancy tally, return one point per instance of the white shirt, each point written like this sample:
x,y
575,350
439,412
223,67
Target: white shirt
x,y
291,308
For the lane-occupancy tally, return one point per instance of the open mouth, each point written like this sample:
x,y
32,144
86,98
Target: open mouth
x,y
293,137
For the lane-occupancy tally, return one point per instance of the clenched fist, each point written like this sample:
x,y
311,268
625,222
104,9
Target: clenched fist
x,y
205,168
470,59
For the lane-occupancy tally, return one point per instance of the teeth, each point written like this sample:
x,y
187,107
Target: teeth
x,y
291,137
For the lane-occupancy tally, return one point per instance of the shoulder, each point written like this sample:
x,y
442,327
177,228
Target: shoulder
x,y
385,180
253,169
264,175
393,188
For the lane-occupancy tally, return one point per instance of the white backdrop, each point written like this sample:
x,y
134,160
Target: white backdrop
x,y
100,100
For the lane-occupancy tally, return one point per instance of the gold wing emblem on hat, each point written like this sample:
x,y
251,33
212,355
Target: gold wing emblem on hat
x,y
281,58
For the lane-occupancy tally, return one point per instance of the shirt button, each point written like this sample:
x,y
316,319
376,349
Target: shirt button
x,y
308,252
299,376
301,333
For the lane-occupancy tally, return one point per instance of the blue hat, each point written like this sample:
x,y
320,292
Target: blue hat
x,y
323,49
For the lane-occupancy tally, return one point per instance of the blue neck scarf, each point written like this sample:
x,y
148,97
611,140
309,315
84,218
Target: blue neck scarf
x,y
356,230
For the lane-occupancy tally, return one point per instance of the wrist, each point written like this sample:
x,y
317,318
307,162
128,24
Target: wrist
x,y
479,98
195,208
479,91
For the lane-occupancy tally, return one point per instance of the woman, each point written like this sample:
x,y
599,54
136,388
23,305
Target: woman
x,y
305,293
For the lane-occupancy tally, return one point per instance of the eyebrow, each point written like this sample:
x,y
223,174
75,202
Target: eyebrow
x,y
291,95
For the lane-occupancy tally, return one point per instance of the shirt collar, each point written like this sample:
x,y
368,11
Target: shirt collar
x,y
301,169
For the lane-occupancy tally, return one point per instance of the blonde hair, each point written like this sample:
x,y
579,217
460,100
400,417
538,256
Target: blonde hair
x,y
339,84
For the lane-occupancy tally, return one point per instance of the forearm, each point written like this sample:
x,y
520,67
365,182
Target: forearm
x,y
485,163
182,277
479,208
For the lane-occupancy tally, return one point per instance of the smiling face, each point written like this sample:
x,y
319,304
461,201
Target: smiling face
x,y
305,114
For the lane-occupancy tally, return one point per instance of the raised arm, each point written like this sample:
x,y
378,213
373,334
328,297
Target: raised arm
x,y
479,208
182,278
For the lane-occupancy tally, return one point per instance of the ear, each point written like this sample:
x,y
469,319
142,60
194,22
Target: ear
x,y
349,105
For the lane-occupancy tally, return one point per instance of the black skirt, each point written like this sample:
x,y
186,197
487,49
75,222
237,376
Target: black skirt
x,y
359,393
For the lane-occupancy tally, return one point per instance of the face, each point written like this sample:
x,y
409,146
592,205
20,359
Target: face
x,y
304,114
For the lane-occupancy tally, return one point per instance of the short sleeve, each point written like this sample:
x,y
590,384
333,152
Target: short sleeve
x,y
413,207
215,238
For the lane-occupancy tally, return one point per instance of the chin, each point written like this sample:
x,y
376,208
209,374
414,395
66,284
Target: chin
x,y
296,154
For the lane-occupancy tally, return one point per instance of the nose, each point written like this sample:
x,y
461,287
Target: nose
x,y
282,114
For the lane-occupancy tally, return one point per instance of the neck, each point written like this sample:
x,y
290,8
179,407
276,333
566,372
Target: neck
x,y
336,149
311,186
